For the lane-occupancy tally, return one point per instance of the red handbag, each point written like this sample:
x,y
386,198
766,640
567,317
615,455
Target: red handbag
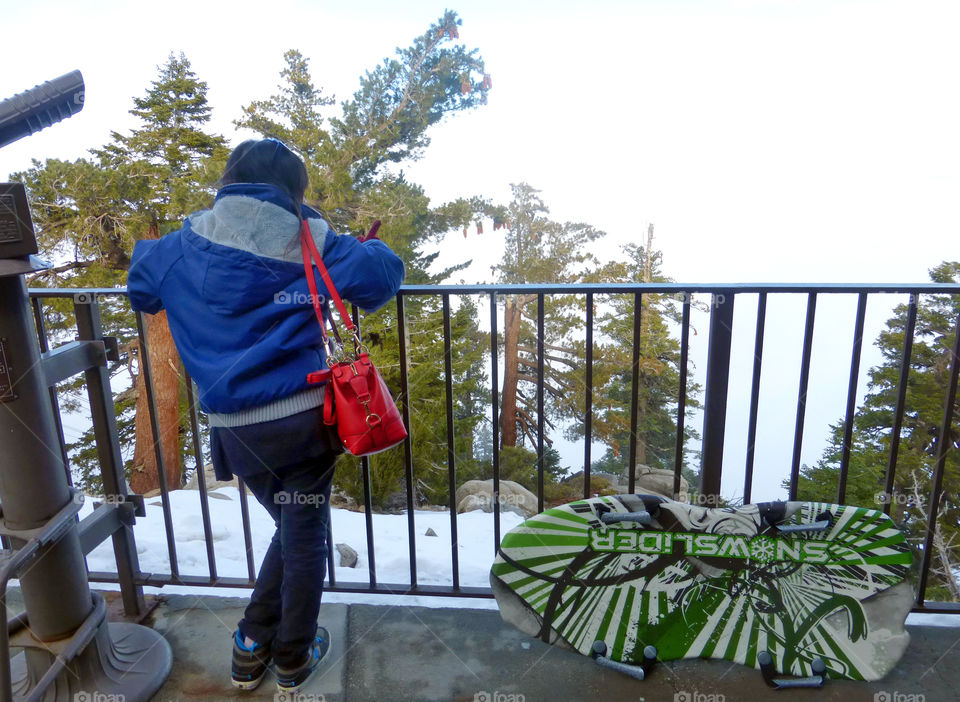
x,y
357,400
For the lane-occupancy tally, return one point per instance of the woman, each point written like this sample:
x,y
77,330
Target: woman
x,y
232,283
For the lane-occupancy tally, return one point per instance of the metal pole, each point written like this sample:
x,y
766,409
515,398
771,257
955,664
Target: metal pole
x,y
33,487
122,660
715,404
108,451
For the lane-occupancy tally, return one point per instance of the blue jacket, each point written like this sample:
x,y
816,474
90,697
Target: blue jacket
x,y
232,283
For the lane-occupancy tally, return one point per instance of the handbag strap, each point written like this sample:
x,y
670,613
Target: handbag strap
x,y
309,250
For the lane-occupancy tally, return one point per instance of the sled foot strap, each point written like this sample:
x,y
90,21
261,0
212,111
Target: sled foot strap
x,y
637,517
782,683
822,525
599,653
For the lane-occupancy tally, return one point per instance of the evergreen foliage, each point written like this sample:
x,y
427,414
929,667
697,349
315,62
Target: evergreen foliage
x,y
90,212
930,364
349,158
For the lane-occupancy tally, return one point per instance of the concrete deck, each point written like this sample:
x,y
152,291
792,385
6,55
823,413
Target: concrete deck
x,y
400,653
387,654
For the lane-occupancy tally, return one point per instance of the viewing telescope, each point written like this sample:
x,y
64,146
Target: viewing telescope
x,y
39,107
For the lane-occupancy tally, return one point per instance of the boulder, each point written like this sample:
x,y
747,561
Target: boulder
x,y
430,532
210,479
656,481
344,501
513,497
348,557
396,502
474,502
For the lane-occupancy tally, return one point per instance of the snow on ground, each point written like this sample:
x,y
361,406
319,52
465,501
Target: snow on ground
x,y
475,549
391,549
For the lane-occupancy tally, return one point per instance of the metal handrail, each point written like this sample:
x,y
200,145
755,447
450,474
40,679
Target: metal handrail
x,y
721,309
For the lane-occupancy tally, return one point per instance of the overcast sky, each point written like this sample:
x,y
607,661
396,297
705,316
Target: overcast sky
x,y
795,141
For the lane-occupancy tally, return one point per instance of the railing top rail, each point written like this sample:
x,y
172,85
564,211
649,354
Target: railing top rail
x,y
611,288
604,288
70,292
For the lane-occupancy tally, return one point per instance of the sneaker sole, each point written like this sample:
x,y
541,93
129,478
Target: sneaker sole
x,y
248,684
294,689
283,690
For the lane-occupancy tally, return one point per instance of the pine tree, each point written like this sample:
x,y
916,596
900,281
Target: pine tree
x,y
350,154
91,212
539,250
171,141
931,359
658,382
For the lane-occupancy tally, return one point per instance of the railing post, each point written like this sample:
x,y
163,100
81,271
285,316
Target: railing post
x,y
89,328
404,397
944,442
715,402
495,419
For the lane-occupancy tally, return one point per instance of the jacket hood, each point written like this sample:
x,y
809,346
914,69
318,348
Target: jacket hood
x,y
247,247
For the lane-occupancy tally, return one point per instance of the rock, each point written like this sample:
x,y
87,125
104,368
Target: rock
x,y
343,501
657,481
395,501
152,493
473,502
513,497
348,557
430,532
211,480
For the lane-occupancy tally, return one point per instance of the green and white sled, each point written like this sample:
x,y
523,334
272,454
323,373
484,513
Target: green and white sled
x,y
802,589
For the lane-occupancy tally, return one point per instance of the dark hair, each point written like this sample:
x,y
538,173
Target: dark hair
x,y
267,161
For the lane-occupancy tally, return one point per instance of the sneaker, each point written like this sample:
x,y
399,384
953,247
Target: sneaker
x,y
289,680
249,663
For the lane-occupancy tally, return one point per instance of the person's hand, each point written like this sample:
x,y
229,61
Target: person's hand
x,y
372,234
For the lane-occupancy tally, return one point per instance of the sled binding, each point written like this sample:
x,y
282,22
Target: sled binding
x,y
599,653
636,517
769,673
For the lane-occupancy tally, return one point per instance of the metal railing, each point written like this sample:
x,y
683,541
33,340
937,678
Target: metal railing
x,y
718,366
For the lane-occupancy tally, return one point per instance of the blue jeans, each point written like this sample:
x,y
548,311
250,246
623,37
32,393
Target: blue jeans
x,y
288,465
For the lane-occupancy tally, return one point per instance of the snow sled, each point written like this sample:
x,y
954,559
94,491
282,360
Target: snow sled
x,y
801,590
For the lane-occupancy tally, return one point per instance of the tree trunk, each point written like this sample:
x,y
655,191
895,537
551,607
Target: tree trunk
x,y
644,333
511,371
166,385
164,364
946,566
